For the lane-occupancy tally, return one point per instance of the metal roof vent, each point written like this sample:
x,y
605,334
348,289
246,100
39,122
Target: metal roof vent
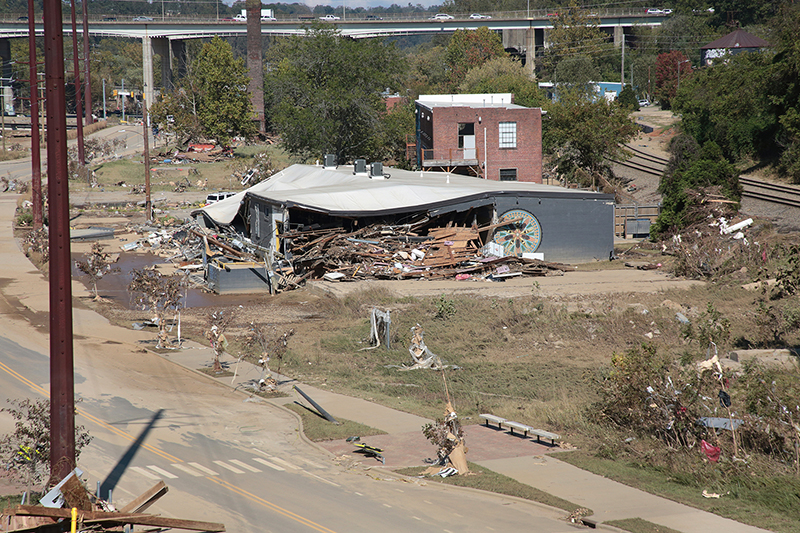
x,y
376,171
360,167
330,161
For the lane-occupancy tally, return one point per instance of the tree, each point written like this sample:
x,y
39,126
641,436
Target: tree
x,y
469,49
692,168
671,68
218,322
503,75
583,133
95,265
627,98
577,73
324,92
224,107
574,34
26,451
159,294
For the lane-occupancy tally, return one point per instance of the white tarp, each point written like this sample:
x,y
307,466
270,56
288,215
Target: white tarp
x,y
338,191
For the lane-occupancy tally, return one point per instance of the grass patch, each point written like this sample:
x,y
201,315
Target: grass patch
x,y
484,479
637,525
317,429
210,372
769,502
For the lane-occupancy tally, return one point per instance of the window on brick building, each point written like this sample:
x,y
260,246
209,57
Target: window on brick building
x,y
508,174
465,129
508,134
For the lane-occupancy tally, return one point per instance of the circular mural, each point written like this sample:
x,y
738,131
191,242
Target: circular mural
x,y
522,234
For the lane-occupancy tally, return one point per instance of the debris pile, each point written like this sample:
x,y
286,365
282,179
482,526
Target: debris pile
x,y
332,254
398,252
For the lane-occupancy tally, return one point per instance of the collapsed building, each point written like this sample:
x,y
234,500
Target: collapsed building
x,y
337,222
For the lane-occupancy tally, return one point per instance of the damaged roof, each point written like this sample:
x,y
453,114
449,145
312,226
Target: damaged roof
x,y
341,192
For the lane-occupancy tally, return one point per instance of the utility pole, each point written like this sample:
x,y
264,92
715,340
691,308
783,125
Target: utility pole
x,y
622,70
105,116
62,377
87,76
77,70
36,156
148,205
255,63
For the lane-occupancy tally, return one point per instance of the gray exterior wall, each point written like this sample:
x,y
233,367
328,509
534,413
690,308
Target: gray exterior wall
x,y
573,230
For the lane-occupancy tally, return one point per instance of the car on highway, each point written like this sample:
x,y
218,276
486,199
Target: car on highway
x,y
442,16
654,11
109,19
22,19
478,16
142,19
329,18
268,19
373,17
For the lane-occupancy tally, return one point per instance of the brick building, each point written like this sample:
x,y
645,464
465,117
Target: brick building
x,y
484,135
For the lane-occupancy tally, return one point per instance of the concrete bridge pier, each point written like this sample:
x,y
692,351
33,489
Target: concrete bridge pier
x,y
173,59
525,43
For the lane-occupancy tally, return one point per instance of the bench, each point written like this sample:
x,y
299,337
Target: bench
x,y
496,419
545,435
520,427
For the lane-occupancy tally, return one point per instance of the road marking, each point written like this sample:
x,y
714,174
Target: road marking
x,y
416,518
426,501
46,393
398,490
204,469
144,472
310,463
163,472
387,505
325,480
284,463
358,494
267,463
280,510
190,471
228,467
244,465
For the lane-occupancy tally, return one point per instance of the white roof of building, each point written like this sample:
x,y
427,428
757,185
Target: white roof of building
x,y
340,192
502,100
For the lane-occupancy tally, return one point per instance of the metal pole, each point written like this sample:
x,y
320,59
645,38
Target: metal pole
x,y
62,386
622,70
76,70
148,205
87,76
36,156
123,101
105,116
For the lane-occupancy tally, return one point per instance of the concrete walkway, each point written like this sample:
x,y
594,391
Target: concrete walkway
x,y
523,460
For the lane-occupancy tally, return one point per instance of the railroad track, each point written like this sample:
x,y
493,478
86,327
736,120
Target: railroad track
x,y
643,162
770,192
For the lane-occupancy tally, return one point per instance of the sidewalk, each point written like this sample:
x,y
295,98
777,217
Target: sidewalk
x,y
519,458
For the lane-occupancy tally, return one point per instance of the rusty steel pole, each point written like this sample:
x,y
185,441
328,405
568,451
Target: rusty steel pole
x,y
62,386
148,205
36,156
77,69
87,75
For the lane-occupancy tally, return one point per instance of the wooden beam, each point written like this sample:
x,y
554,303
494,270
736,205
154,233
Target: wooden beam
x,y
146,499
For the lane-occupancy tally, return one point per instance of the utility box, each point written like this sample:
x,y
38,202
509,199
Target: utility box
x,y
330,161
360,166
376,170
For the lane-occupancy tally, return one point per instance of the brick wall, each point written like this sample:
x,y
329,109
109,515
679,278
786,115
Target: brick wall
x,y
526,158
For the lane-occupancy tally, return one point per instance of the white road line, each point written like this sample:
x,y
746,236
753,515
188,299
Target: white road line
x,y
284,463
163,472
244,465
188,470
228,467
387,505
309,463
204,469
326,481
358,494
144,472
267,463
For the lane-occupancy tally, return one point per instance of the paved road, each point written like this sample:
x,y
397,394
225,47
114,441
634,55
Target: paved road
x,y
225,458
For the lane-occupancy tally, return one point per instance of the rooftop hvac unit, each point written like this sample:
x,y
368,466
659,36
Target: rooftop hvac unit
x,y
376,170
330,161
360,166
